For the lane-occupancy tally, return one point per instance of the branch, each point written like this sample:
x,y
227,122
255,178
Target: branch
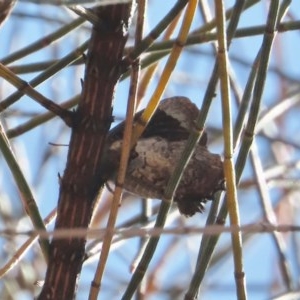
x,y
81,181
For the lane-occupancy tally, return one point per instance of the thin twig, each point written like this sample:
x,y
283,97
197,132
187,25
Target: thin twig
x,y
162,214
26,88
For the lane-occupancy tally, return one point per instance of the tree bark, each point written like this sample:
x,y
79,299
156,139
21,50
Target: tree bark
x,y
81,181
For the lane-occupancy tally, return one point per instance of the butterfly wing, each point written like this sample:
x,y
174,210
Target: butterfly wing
x,y
154,157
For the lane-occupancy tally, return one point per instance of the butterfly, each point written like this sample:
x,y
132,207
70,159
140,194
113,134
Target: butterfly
x,y
154,156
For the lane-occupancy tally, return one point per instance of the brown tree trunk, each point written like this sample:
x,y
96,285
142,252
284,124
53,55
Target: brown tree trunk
x,y
92,119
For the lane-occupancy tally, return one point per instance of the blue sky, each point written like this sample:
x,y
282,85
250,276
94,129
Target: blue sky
x,y
189,79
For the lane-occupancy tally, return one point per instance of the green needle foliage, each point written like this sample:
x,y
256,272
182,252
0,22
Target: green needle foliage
x,y
238,64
